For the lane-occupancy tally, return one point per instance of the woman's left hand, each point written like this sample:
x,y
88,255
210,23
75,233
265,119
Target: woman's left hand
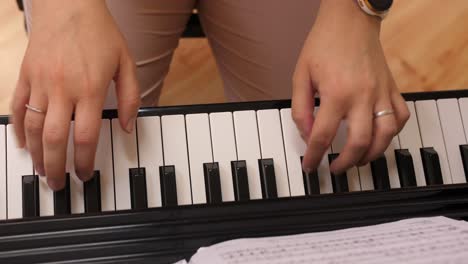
x,y
343,61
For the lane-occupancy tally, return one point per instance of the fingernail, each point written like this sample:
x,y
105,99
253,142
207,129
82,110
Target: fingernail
x,y
303,137
20,145
40,170
55,184
84,176
362,163
337,172
131,125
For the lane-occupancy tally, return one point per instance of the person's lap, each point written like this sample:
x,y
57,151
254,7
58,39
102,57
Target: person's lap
x,y
256,42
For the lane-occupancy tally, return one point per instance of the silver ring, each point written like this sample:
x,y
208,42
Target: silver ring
x,y
34,109
384,113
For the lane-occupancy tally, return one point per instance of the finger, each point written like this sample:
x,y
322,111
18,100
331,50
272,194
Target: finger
x,y
303,101
357,141
400,108
18,109
34,124
86,134
128,93
324,130
384,130
55,139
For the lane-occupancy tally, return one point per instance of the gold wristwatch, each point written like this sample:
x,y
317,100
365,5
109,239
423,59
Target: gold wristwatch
x,y
377,8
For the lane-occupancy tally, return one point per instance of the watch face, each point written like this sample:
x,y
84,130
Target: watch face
x,y
381,5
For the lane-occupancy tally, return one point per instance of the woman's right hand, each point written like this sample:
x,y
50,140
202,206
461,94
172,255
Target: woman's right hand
x,y
75,50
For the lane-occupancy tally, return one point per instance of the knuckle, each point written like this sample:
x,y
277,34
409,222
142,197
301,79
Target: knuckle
x,y
132,102
341,93
368,81
360,143
405,116
344,99
298,116
344,90
55,74
322,140
389,130
17,107
85,137
54,136
33,126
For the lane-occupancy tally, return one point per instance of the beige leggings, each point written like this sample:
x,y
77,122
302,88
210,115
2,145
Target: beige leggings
x,y
256,42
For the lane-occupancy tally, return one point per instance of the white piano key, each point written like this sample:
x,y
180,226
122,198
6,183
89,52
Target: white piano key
x,y
76,185
271,146
431,134
125,158
3,182
46,198
224,150
325,180
365,177
19,163
248,148
324,175
199,149
294,147
391,163
151,156
175,153
103,163
337,146
454,136
411,139
365,172
463,103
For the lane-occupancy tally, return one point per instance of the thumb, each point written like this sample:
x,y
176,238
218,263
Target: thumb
x,y
128,92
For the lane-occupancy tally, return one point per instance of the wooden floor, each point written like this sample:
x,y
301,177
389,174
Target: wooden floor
x,y
425,42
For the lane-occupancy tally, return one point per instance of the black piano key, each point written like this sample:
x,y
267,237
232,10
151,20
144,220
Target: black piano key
x,y
267,178
240,180
212,183
405,166
30,186
464,154
92,194
62,202
168,185
380,174
311,182
339,181
431,164
138,188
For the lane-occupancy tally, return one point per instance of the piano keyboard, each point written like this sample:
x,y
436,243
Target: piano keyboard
x,y
190,176
224,156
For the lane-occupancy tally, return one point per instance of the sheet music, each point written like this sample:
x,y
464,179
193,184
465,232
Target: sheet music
x,y
413,241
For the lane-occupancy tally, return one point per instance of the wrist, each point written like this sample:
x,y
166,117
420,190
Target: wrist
x,y
348,12
44,11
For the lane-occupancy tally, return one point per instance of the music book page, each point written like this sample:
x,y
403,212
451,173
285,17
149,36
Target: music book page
x,y
418,240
